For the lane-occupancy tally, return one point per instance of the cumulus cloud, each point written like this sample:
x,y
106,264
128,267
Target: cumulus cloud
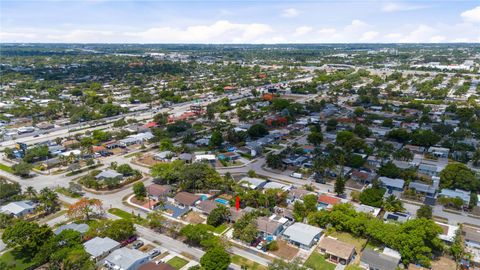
x,y
395,7
302,30
472,15
290,12
369,36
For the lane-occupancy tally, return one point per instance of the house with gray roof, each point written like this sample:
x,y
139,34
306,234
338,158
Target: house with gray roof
x,y
99,247
126,259
373,260
109,174
419,187
252,182
392,183
302,235
462,194
81,228
18,209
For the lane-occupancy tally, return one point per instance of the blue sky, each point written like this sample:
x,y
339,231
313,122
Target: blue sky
x,y
267,21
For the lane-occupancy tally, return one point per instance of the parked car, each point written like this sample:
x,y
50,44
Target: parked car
x,y
154,253
296,175
131,239
137,244
260,246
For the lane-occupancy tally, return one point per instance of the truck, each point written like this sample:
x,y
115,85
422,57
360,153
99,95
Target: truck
x,y
296,175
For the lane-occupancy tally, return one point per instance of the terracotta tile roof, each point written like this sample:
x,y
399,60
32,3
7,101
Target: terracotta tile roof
x,y
186,198
328,200
336,248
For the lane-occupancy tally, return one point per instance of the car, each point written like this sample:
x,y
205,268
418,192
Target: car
x,y
154,253
137,244
131,239
36,135
260,246
159,262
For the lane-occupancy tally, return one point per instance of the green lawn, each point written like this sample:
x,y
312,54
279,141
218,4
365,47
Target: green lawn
x,y
359,243
242,261
177,262
316,261
353,267
125,215
220,229
13,261
6,168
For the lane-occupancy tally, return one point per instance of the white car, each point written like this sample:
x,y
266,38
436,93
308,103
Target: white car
x,y
154,253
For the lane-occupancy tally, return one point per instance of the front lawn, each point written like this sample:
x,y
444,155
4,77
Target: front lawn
x,y
220,228
242,261
6,168
128,216
177,262
317,261
14,261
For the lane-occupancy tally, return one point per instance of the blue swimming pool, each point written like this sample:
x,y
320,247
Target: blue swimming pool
x,y
222,201
203,197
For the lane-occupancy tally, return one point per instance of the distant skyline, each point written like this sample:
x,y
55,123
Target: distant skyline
x,y
268,21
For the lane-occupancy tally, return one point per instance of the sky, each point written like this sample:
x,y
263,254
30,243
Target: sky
x,y
247,21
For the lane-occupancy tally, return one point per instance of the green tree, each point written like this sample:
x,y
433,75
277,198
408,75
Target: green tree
x,y
274,161
425,211
139,190
315,138
218,216
155,220
22,169
372,196
392,204
9,190
215,258
120,229
389,170
257,131
458,175
217,139
49,200
29,237
339,187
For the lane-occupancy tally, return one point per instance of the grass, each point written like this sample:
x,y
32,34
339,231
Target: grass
x,y
220,228
242,261
317,261
15,261
177,262
359,243
128,216
6,168
353,267
68,193
133,155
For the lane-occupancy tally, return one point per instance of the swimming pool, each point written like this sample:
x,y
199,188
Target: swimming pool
x,y
222,201
203,197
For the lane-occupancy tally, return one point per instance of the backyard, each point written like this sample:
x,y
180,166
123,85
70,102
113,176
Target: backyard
x,y
13,260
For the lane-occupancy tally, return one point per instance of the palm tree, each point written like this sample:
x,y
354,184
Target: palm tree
x,y
31,192
392,204
49,200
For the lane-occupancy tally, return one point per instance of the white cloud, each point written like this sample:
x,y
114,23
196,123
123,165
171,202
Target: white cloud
x,y
395,7
472,15
290,12
302,30
438,39
356,25
369,36
218,32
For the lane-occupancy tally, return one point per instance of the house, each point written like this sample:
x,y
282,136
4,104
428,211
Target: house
x,y
295,194
252,182
362,176
462,194
276,185
375,161
136,139
18,209
163,156
159,192
419,187
187,157
268,227
185,199
206,207
471,237
372,260
55,149
327,202
229,156
415,149
302,235
235,214
154,266
374,211
109,174
448,232
81,228
51,162
99,247
440,152
126,259
392,183
396,216
202,142
207,157
337,251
